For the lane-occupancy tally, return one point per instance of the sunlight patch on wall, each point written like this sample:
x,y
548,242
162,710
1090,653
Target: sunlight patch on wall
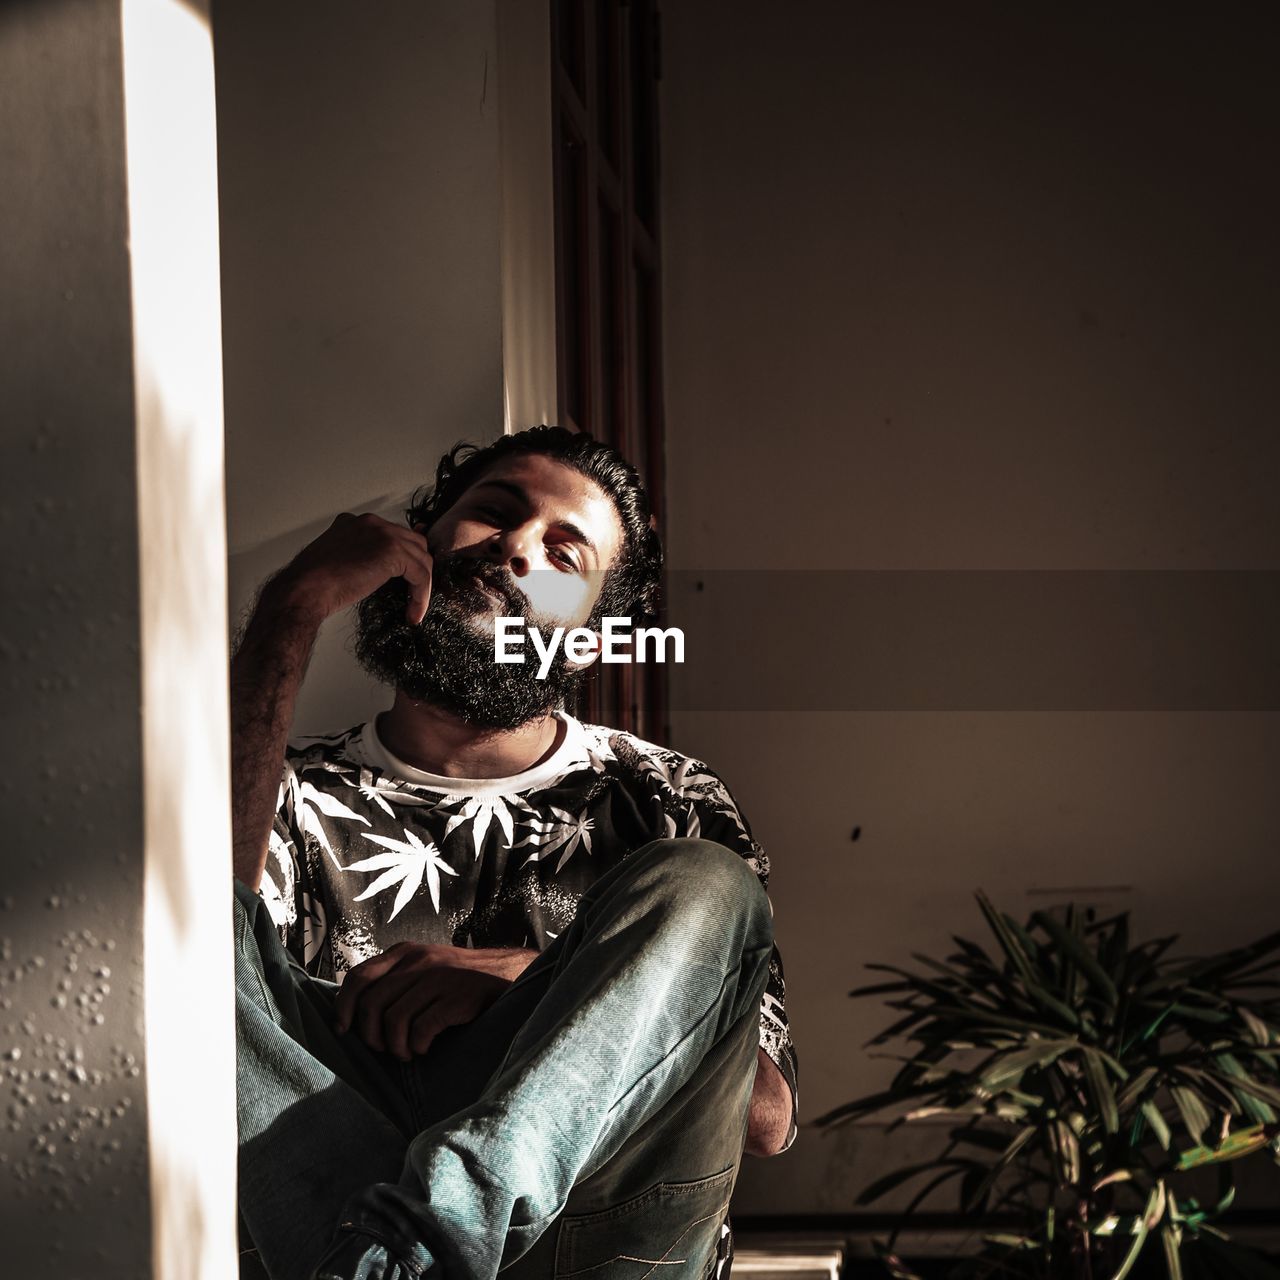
x,y
190,1046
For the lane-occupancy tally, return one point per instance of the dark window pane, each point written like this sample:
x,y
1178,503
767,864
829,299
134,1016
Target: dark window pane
x,y
570,38
610,425
643,106
607,105
573,245
644,325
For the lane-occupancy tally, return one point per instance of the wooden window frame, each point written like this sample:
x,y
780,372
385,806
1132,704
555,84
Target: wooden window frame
x,y
608,274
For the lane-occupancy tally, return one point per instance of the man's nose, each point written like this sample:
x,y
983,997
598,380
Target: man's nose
x,y
512,547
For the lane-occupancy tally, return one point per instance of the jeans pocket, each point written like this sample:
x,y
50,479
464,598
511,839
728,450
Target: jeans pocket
x,y
668,1232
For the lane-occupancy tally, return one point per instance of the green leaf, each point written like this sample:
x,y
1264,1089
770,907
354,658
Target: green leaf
x,y
982,1188
1195,1117
1010,1067
891,1181
1241,1079
1135,1087
1009,944
1158,1124
1140,1235
872,1102
1258,1029
1080,955
1066,1148
988,1139
1011,1241
1241,1143
1104,1097
1172,1252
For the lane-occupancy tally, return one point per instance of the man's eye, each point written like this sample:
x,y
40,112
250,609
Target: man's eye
x,y
564,557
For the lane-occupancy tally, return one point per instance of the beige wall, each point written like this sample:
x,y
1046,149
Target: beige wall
x,y
361,212
969,287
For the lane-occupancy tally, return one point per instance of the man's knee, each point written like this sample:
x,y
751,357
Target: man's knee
x,y
704,872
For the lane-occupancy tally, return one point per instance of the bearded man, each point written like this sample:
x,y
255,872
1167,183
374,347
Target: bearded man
x,y
507,995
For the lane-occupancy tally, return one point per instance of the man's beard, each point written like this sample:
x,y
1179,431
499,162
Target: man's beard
x,y
448,658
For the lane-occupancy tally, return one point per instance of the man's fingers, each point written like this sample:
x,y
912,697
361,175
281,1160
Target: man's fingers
x,y
403,1015
464,1002
429,1024
371,1013
400,1001
419,581
416,571
358,981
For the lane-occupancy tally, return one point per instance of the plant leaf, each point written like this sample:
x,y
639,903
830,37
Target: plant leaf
x,y
1080,955
1157,1122
1195,1117
1100,1087
891,1181
1011,1067
1139,1235
1172,1252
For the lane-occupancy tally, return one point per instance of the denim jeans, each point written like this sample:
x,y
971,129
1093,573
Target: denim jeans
x,y
590,1123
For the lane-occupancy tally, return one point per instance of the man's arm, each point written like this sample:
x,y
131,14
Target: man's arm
x,y
352,558
769,1123
266,674
770,1118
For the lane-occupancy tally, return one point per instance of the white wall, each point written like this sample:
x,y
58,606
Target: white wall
x,y
361,212
969,287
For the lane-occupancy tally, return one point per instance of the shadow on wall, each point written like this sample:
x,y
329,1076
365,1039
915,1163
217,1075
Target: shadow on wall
x,y
336,693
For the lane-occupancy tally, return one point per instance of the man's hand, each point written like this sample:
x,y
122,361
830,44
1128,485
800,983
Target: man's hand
x,y
351,559
400,1001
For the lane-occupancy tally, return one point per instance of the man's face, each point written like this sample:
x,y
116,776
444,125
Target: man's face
x,y
550,531
530,538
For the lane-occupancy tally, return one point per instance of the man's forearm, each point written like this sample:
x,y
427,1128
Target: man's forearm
x,y
770,1118
353,557
266,675
502,962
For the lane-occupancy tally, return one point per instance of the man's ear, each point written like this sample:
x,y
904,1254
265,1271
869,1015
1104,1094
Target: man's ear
x,y
590,653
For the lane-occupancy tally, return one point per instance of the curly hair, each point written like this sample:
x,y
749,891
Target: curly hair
x,y
631,585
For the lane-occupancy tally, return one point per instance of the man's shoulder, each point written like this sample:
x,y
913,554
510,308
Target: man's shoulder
x,y
617,750
328,750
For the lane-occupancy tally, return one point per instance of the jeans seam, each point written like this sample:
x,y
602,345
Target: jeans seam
x,y
267,999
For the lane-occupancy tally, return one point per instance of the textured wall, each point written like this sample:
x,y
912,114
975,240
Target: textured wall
x,y
73,1143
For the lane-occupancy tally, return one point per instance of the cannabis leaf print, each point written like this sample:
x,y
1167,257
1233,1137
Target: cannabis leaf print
x,y
481,811
309,802
563,829
409,860
383,792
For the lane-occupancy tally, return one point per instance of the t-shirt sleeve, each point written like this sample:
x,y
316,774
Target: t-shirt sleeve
x,y
713,814
283,877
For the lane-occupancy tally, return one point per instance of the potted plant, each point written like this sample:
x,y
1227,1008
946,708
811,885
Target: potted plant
x,y
1093,1082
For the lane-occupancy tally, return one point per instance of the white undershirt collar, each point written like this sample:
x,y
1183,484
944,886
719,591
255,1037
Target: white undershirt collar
x,y
571,751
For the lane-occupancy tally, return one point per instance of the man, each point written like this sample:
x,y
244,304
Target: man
x,y
560,1015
